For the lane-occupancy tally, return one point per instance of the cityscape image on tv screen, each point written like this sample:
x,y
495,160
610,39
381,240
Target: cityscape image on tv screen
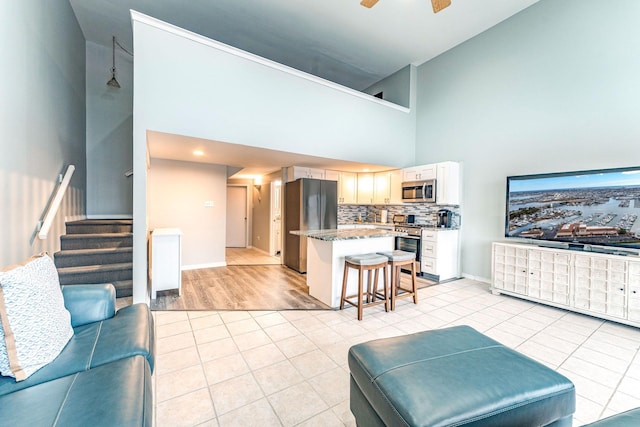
x,y
594,207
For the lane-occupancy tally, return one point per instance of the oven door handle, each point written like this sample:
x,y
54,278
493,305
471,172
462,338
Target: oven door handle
x,y
424,191
409,237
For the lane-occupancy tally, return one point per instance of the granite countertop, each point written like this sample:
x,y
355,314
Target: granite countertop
x,y
347,234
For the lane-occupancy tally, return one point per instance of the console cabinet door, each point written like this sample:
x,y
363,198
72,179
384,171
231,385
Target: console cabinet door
x,y
634,291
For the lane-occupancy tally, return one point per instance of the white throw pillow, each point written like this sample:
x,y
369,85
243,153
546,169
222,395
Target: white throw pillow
x,y
34,323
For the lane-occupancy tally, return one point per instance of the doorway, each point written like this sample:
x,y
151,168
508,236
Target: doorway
x,y
236,217
275,244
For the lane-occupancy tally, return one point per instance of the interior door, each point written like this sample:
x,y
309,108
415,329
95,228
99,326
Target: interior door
x,y
276,218
236,217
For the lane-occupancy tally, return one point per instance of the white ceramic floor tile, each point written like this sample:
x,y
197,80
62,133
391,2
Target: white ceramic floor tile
x,y
301,356
187,410
307,404
265,355
313,363
295,346
259,413
176,360
180,382
277,377
208,321
175,342
225,368
235,393
210,334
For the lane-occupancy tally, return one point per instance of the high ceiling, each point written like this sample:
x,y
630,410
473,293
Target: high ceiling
x,y
338,40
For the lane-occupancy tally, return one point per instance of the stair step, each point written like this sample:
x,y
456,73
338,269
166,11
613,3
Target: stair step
x,y
124,288
78,257
100,226
107,273
96,241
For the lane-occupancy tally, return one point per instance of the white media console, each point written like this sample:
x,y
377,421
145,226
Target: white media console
x,y
597,284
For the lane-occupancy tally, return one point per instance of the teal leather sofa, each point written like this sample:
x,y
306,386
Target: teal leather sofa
x,y
103,375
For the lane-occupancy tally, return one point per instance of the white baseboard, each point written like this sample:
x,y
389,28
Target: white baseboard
x,y
199,266
476,278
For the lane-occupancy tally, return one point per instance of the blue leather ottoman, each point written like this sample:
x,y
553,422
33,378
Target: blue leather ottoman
x,y
451,377
623,419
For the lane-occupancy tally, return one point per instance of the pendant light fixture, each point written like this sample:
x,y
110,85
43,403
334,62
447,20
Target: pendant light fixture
x,y
113,82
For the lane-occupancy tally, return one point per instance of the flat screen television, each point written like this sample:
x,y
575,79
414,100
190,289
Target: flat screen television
x,y
584,209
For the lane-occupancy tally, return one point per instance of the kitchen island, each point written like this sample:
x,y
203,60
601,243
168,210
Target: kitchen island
x,y
326,250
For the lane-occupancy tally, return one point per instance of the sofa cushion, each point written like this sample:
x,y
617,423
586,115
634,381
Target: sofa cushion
x,y
128,333
623,419
115,394
35,325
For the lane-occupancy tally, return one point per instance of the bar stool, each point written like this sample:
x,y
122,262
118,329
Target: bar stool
x,y
398,259
369,263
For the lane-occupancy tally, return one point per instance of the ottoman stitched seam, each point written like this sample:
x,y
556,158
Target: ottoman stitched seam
x,y
509,408
413,362
382,393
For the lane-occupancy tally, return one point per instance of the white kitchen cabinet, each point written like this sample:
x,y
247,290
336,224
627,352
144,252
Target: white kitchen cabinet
x,y
448,183
439,253
387,187
347,188
419,173
166,260
331,175
365,188
297,172
601,285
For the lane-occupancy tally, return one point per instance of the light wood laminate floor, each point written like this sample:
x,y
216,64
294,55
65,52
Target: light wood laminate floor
x,y
249,256
256,287
248,287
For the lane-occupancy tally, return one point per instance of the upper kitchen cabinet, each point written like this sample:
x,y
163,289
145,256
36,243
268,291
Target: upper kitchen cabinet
x,y
297,172
419,173
365,188
387,187
448,183
347,188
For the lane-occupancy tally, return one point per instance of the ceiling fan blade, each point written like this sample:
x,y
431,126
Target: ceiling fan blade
x,y
438,5
368,3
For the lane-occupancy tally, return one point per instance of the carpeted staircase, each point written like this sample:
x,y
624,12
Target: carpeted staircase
x,y
97,251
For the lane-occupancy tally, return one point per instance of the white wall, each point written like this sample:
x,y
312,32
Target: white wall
x,y
184,85
42,128
552,89
109,133
177,192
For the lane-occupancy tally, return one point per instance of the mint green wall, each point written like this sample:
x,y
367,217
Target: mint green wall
x,y
396,88
554,88
42,129
109,133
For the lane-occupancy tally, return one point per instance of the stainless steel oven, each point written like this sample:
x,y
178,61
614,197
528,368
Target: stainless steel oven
x,y
412,242
419,191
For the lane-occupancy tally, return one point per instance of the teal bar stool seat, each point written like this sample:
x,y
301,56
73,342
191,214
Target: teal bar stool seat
x,y
369,263
398,259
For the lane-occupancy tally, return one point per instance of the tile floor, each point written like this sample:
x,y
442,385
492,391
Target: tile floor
x,y
289,368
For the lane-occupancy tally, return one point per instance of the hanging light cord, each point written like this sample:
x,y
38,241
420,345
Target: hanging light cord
x,y
120,46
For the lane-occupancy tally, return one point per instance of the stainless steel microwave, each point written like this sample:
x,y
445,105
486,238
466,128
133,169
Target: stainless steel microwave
x,y
419,191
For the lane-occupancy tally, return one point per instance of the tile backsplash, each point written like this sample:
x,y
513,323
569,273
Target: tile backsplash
x,y
426,213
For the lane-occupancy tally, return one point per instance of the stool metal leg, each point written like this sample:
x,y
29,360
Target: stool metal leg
x,y
360,273
344,285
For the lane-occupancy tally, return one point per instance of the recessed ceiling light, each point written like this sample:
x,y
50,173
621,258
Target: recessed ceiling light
x,y
198,153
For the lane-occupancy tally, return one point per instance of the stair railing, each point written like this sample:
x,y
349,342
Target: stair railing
x,y
55,203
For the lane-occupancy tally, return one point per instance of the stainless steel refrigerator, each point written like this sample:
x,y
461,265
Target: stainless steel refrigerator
x,y
310,204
